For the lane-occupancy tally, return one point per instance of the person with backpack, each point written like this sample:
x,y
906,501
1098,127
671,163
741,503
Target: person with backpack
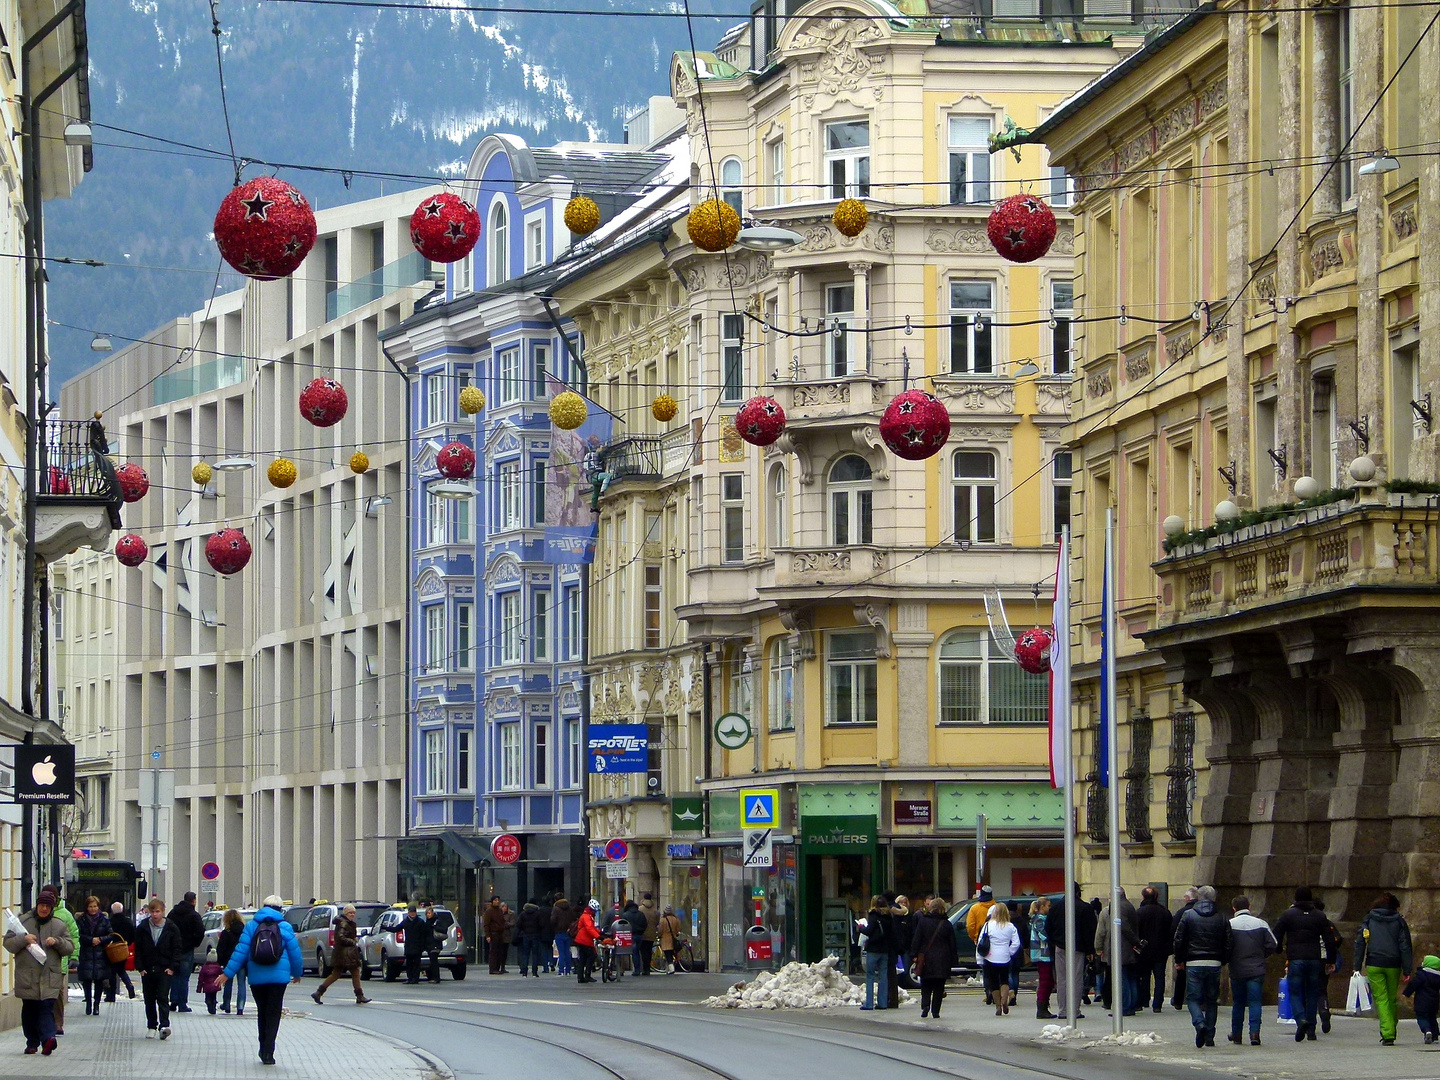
x,y
270,953
1382,952
1302,932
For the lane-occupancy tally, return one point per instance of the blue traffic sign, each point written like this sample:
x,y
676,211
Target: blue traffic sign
x,y
617,850
758,808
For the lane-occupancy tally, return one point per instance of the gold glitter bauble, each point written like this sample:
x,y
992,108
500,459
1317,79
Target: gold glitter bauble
x,y
850,217
664,408
282,472
202,473
582,216
568,410
472,400
359,463
713,225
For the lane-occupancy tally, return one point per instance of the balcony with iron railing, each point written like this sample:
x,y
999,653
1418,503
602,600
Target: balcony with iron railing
x,y
78,498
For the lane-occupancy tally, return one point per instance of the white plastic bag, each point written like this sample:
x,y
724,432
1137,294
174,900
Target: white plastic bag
x,y
15,926
1357,997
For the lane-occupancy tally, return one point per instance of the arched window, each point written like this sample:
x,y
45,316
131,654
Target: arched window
x,y
850,501
730,178
974,488
779,508
499,245
981,685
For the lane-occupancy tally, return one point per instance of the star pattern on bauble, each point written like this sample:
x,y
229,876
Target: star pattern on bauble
x,y
257,206
252,266
1016,235
906,407
455,231
294,247
434,208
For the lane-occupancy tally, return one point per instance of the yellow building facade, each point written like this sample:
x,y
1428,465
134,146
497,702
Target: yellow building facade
x,y
1251,194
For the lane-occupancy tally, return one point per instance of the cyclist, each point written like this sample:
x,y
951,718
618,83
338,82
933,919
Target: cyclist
x,y
668,933
586,935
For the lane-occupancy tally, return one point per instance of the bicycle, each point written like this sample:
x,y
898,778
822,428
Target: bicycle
x,y
609,963
684,958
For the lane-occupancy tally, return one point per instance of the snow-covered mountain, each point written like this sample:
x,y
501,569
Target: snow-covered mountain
x,y
404,90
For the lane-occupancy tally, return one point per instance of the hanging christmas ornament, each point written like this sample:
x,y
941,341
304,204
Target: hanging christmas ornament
x,y
850,217
202,474
265,228
915,425
582,216
227,551
60,483
760,421
133,482
456,461
282,472
359,463
713,225
568,410
323,402
472,400
131,550
444,228
1021,228
1032,650
664,408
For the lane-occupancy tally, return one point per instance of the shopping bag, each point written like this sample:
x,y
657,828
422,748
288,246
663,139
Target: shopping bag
x,y
1283,1001
1357,997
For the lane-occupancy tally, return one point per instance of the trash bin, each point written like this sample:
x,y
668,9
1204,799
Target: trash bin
x,y
759,949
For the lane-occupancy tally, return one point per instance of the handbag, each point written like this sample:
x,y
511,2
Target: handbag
x,y
982,945
917,967
1357,997
117,949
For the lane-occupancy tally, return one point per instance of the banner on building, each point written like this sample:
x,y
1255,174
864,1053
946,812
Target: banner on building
x,y
569,522
1060,670
45,774
618,748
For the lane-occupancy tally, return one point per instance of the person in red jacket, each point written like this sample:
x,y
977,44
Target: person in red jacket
x,y
586,934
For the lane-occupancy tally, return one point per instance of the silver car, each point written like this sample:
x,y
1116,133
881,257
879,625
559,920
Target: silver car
x,y
383,949
317,938
214,923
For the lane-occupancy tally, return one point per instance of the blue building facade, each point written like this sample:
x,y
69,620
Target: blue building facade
x,y
496,606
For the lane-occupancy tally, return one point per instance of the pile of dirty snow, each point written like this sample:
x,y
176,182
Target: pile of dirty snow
x,y
795,986
1060,1033
1130,1038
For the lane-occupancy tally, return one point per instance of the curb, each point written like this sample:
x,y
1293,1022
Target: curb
x,y
435,1068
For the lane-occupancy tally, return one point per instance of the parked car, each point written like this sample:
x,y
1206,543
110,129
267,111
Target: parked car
x,y
966,962
383,949
316,936
214,922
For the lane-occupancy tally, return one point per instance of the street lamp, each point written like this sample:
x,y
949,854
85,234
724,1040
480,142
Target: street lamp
x,y
101,344
453,489
77,134
233,464
768,238
1382,164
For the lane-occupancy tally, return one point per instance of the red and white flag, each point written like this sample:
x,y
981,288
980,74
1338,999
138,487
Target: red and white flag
x,y
1060,670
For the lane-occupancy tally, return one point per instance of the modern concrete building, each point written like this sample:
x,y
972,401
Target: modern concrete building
x,y
278,695
1269,446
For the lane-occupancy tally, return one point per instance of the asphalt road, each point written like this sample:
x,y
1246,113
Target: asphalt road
x,y
653,1029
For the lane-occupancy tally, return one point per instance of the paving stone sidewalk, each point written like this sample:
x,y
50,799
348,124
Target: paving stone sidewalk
x,y
112,1046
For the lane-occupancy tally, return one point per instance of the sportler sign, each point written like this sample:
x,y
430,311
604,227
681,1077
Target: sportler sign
x,y
618,748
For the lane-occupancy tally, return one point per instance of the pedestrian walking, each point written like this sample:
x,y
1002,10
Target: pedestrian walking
x,y
417,943
933,956
1334,948
531,925
586,935
646,941
123,927
94,965
509,938
1039,952
1085,924
344,957
65,915
269,949
1129,955
1382,952
1177,994
1304,932
877,934
902,930
437,940
1424,987
668,934
999,947
1251,944
192,935
493,924
39,983
1202,947
562,929
231,927
157,959
1156,927
634,921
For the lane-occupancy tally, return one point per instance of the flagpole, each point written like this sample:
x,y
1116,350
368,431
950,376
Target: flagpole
x,y
1107,668
1061,706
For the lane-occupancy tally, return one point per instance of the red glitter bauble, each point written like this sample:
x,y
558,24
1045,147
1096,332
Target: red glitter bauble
x,y
456,461
444,228
1032,650
915,425
59,482
133,482
760,421
131,550
265,228
227,551
323,402
1021,228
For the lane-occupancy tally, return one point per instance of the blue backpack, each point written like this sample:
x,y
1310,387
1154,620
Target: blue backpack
x,y
267,947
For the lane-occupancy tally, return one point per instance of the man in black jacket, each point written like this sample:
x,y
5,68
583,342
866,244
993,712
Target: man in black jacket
x,y
122,924
530,927
1202,948
157,958
1086,922
1156,928
1301,931
192,935
1177,996
419,936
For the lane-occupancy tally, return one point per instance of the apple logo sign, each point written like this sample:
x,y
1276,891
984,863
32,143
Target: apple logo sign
x,y
43,772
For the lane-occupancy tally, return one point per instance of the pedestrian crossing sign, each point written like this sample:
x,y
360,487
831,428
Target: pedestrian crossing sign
x,y
759,808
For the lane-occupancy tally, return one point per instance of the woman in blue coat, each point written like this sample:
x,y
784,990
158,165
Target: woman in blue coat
x,y
265,936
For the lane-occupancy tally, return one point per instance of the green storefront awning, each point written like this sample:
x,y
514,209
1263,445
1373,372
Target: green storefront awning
x,y
1028,807
839,834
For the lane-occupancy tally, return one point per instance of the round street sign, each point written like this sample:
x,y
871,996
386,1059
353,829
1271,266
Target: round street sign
x,y
732,731
210,871
505,848
617,850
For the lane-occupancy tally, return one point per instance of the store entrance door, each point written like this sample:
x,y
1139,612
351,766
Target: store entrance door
x,y
839,861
